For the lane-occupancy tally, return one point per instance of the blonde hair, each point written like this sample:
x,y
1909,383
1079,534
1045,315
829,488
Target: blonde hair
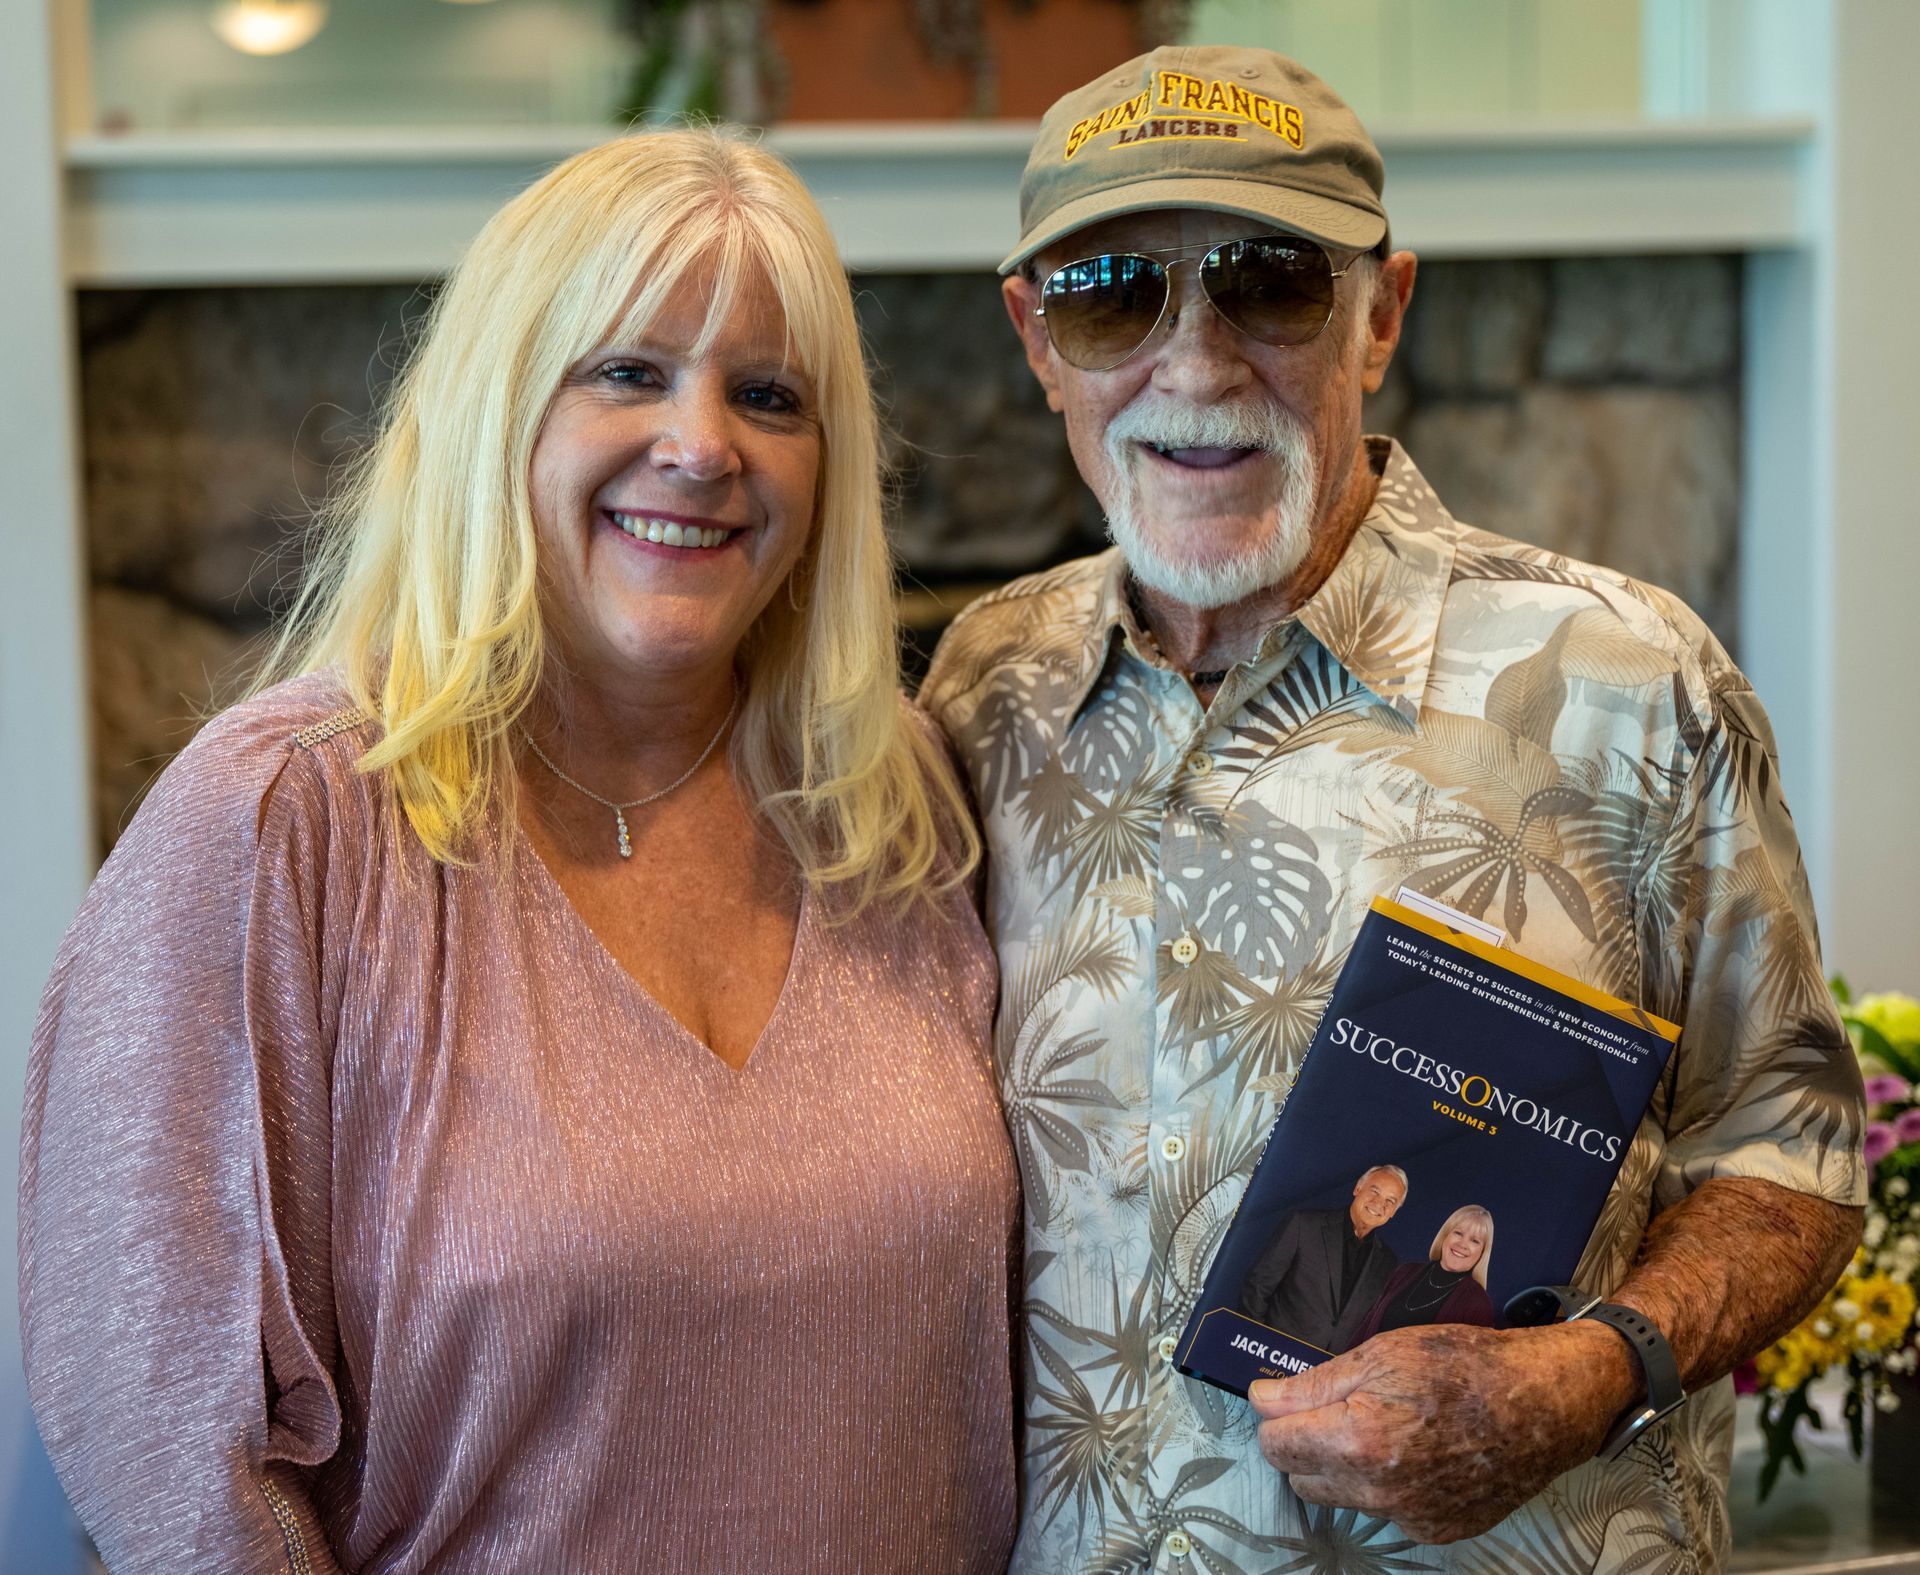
x,y
1467,1211
424,590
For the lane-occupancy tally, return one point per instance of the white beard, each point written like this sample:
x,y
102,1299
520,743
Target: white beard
x,y
1197,580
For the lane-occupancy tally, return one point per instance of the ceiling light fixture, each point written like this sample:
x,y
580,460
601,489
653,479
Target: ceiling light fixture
x,y
268,27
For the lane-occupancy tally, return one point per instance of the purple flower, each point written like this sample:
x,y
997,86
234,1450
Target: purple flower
x,y
1883,1088
1907,1127
1881,1141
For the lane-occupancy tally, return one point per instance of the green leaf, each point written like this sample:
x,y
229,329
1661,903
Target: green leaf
x,y
1868,1041
1842,991
1777,1422
1769,1474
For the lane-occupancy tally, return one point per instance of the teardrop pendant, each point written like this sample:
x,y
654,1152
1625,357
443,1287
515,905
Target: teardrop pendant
x,y
626,842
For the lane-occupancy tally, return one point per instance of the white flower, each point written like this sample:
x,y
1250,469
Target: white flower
x,y
1907,1246
1886,1400
1823,1328
1897,1187
1876,1231
1863,1331
1846,1308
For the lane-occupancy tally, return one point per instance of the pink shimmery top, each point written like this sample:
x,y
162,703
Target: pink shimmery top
x,y
374,1219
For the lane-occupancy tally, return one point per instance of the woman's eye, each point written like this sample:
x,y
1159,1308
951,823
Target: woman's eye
x,y
630,374
769,398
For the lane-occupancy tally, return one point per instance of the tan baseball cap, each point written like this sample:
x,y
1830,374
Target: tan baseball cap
x,y
1241,131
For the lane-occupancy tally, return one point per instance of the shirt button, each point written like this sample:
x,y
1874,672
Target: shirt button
x,y
1173,1146
1199,763
1179,1544
1169,1344
1185,950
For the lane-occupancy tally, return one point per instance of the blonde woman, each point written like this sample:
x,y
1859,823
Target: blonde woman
x,y
516,1098
1448,1286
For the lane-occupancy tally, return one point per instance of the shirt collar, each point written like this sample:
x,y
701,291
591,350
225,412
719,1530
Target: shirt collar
x,y
1377,613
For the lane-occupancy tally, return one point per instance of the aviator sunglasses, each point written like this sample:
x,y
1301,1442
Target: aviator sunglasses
x,y
1273,288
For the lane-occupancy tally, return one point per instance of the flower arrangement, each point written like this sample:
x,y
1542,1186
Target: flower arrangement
x,y
1865,1324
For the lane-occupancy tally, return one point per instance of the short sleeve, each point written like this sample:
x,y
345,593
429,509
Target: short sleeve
x,y
1765,1084
175,1173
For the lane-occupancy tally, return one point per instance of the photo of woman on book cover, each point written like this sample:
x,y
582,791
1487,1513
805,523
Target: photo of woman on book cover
x,y
1323,1269
1449,1286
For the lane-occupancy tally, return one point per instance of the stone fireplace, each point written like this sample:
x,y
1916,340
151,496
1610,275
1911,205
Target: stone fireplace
x,y
1591,405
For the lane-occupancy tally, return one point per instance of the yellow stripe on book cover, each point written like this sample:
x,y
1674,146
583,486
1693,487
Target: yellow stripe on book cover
x,y
1509,961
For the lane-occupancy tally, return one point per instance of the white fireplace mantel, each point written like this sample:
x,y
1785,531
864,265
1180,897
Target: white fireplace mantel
x,y
347,206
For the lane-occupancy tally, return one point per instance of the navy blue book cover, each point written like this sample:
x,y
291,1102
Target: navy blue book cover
x,y
1450,1140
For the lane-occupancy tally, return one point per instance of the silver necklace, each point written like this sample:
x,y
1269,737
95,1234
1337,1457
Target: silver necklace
x,y
620,810
1425,1282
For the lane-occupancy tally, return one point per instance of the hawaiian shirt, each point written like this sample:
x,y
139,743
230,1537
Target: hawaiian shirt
x,y
1173,888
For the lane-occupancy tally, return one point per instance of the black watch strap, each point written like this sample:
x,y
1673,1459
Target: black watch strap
x,y
1544,1304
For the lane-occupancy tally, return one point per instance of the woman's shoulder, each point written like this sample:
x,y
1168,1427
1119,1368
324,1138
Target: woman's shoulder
x,y
938,753
298,713
294,742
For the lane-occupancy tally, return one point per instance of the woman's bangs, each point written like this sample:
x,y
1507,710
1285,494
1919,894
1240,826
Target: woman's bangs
x,y
777,255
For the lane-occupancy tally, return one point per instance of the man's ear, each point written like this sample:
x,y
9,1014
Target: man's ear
x,y
1022,296
1392,290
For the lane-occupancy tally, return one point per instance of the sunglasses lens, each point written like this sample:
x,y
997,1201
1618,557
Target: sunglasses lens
x,y
1278,291
1099,311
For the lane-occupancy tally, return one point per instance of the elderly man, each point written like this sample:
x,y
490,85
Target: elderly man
x,y
1295,682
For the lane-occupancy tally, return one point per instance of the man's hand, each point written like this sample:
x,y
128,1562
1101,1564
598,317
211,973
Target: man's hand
x,y
1448,1428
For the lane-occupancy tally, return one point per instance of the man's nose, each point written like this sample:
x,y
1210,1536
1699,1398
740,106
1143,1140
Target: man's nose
x,y
1201,355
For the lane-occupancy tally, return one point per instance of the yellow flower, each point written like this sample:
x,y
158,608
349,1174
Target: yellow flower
x,y
1791,1360
1896,1016
1884,1310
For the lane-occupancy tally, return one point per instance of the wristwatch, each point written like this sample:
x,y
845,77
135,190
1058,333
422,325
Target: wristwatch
x,y
1542,1304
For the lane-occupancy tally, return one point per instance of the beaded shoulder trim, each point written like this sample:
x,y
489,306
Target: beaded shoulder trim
x,y
316,733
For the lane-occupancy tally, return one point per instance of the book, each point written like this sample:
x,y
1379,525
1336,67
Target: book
x,y
1457,1121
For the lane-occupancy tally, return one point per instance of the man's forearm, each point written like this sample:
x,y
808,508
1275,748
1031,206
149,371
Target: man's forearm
x,y
1726,1271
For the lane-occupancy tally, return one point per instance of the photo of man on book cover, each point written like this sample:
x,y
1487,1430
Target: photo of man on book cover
x,y
1325,1269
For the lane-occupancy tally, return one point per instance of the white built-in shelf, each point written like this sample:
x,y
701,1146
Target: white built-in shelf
x,y
370,205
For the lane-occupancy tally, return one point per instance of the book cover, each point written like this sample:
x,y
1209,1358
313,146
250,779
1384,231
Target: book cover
x,y
1457,1121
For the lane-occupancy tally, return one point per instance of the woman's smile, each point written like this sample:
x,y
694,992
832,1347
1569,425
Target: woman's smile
x,y
680,535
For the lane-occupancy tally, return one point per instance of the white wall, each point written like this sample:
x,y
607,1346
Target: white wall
x,y
1867,413
1831,554
1449,60
45,783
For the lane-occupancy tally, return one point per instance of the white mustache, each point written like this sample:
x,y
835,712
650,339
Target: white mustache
x,y
1173,424
1180,570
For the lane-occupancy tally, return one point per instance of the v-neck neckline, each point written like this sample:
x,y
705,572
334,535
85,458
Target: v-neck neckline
x,y
649,1002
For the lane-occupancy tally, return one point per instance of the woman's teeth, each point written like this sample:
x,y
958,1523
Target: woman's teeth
x,y
670,533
